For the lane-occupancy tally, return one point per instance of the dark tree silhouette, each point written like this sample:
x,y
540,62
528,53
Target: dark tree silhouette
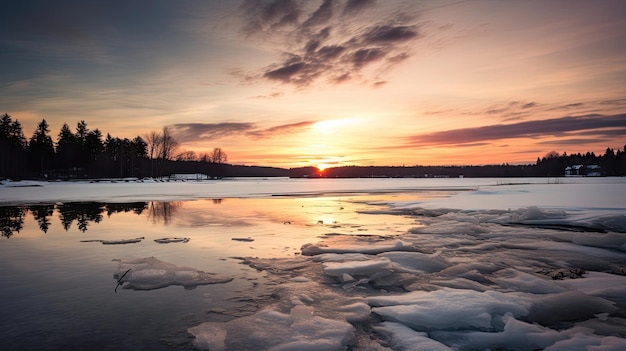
x,y
12,147
42,214
11,220
41,149
67,151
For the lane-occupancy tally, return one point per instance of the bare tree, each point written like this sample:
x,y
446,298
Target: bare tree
x,y
218,156
168,144
187,155
153,141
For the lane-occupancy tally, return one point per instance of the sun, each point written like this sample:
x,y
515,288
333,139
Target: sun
x,y
322,166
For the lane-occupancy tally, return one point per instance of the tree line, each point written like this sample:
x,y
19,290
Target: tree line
x,y
86,153
553,164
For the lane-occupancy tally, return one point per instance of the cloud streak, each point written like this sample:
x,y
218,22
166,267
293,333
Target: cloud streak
x,y
557,127
191,132
331,43
281,129
196,132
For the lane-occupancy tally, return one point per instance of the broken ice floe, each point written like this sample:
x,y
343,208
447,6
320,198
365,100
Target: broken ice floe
x,y
151,273
403,338
273,330
172,240
366,248
461,280
306,316
115,242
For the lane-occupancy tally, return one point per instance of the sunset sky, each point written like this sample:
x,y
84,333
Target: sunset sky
x,y
306,83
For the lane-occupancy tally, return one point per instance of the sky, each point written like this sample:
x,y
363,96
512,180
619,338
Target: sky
x,y
289,83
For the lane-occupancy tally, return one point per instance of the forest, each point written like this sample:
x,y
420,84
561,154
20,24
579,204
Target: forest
x,y
88,154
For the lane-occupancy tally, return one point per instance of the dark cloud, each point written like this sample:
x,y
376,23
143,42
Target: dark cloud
x,y
333,48
566,107
364,56
615,102
356,6
574,141
281,129
388,34
510,109
285,73
588,124
194,132
330,52
379,84
189,132
322,15
262,16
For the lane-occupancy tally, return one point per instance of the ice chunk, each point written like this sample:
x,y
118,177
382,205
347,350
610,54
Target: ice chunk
x,y
589,342
367,268
519,281
517,335
272,330
209,336
248,239
172,240
151,273
369,248
329,303
608,240
115,242
567,306
404,338
448,308
416,262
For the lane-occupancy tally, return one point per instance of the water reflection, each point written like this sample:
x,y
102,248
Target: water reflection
x,y
42,214
83,213
11,220
163,211
331,213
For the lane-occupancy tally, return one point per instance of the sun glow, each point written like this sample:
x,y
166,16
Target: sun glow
x,y
332,125
322,166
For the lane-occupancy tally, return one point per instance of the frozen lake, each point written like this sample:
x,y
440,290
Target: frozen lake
x,y
314,264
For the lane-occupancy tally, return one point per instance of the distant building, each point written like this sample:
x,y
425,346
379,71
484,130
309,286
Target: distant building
x,y
593,171
583,171
574,171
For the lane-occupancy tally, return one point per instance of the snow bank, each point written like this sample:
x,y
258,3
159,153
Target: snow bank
x,y
151,273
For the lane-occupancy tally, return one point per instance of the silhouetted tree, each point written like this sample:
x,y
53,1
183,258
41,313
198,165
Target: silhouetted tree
x,y
12,147
41,148
11,220
67,149
42,214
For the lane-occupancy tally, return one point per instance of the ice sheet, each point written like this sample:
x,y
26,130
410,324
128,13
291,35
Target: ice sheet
x,y
151,273
474,273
